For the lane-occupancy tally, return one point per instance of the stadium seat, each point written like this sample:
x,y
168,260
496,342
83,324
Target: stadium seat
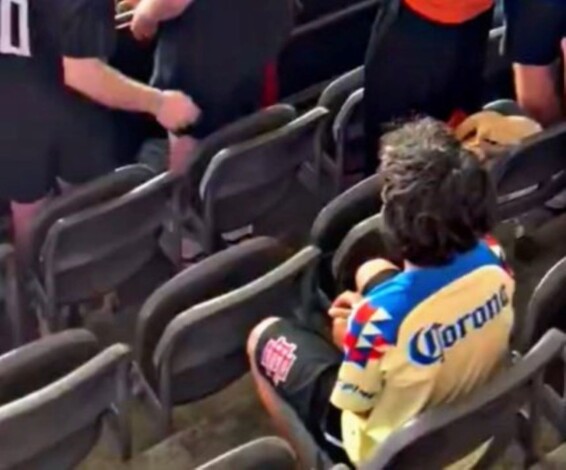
x,y
247,182
55,394
268,452
340,139
545,309
89,253
366,241
211,308
82,197
12,331
532,174
336,220
443,436
187,199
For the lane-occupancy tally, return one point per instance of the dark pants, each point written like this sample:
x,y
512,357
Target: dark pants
x,y
417,67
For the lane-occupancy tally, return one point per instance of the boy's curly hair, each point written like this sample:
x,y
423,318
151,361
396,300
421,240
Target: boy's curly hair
x,y
438,200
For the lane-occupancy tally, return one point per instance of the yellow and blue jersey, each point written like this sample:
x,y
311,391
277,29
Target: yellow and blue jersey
x,y
425,337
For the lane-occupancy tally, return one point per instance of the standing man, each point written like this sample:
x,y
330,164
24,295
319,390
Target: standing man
x,y
216,50
536,43
43,45
424,57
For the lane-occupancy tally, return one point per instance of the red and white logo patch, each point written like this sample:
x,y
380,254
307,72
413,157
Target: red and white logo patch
x,y
277,358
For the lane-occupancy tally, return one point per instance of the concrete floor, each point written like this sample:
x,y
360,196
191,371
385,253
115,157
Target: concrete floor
x,y
234,416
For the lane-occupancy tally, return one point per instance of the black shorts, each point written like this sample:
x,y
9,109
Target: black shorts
x,y
302,367
536,29
418,67
43,139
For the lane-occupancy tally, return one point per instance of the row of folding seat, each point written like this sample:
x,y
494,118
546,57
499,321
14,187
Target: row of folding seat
x,y
190,342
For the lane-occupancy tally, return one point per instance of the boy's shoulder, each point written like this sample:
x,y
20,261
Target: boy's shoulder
x,y
388,304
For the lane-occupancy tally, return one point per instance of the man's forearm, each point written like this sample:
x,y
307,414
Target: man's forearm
x,y
163,10
108,87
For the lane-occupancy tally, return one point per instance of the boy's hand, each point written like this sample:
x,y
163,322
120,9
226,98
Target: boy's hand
x,y
339,330
343,304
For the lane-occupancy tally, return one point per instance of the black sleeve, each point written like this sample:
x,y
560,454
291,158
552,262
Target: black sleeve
x,y
88,29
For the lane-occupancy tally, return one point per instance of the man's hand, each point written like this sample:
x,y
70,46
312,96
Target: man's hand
x,y
343,304
176,110
144,26
126,5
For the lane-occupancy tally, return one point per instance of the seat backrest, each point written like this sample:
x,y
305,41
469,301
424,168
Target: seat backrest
x,y
347,129
57,425
334,98
248,180
204,349
335,221
532,174
223,272
366,241
87,195
268,452
91,252
445,435
42,362
12,323
545,309
250,127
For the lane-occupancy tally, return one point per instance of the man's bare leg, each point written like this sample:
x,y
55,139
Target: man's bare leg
x,y
180,152
23,215
537,93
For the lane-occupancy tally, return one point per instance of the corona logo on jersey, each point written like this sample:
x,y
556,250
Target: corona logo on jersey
x,y
428,345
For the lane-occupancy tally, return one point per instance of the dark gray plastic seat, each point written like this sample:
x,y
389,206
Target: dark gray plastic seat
x,y
335,221
13,323
55,394
202,348
442,436
532,174
340,139
247,182
270,453
366,241
545,309
187,198
90,253
82,197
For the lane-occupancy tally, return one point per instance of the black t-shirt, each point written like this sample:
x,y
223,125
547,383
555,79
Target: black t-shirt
x,y
213,44
36,34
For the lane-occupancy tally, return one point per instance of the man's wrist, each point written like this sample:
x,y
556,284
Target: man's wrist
x,y
155,102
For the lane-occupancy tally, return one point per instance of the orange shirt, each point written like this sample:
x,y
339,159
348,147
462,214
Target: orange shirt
x,y
449,11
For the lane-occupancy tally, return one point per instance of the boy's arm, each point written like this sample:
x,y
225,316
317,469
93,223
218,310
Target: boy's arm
x,y
360,377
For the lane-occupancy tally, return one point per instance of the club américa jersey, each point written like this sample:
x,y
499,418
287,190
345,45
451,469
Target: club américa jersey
x,y
423,338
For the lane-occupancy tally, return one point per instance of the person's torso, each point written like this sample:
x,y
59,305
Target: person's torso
x,y
219,42
29,49
449,328
450,11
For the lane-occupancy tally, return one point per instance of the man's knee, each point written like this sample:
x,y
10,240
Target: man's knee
x,y
255,335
